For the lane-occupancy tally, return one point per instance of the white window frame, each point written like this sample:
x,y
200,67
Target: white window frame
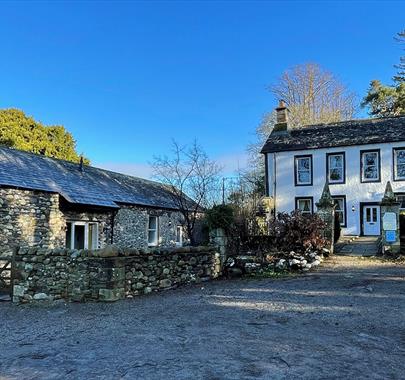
x,y
156,242
303,199
73,224
179,234
297,171
330,167
343,210
377,164
396,176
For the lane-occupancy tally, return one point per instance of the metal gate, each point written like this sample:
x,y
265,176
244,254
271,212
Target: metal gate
x,y
6,275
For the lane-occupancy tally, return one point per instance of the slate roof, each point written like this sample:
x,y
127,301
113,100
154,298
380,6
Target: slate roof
x,y
92,186
345,133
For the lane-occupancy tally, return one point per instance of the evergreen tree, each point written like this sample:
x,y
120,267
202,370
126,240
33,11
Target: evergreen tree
x,y
383,100
20,131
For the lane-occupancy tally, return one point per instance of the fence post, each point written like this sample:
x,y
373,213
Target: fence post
x,y
326,211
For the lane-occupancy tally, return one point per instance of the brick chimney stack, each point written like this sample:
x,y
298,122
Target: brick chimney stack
x,y
282,117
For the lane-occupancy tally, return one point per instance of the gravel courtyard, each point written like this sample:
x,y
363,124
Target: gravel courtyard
x,y
346,320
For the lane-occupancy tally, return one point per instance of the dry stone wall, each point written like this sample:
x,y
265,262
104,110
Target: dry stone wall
x,y
30,218
108,274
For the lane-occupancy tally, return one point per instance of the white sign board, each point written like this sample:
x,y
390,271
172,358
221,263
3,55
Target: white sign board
x,y
390,221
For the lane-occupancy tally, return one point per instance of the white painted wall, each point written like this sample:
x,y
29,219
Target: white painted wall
x,y
355,191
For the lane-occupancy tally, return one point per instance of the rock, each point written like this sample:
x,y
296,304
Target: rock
x,y
108,251
28,267
315,263
281,264
166,283
235,272
111,295
18,291
40,297
166,271
294,262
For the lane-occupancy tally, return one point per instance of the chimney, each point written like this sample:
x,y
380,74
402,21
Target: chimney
x,y
282,117
81,164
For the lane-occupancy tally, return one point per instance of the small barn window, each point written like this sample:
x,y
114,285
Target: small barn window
x,y
81,235
153,231
179,236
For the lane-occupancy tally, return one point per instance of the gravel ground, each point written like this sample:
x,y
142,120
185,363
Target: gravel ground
x,y
346,320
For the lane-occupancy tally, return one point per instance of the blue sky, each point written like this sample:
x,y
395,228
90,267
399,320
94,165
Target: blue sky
x,y
126,77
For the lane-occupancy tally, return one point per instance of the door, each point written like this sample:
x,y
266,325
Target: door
x,y
371,220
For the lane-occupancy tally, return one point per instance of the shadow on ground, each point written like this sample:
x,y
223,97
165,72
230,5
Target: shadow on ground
x,y
345,320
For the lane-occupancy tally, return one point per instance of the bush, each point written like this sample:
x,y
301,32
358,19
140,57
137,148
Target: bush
x,y
220,216
297,232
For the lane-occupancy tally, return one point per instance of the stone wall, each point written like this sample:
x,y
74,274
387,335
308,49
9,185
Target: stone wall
x,y
30,218
108,274
131,223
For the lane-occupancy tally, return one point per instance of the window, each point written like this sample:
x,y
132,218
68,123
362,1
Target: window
x,y
401,200
153,233
179,236
340,209
399,164
303,170
81,235
305,205
370,166
335,163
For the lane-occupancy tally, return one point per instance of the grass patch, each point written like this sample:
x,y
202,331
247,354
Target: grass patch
x,y
269,273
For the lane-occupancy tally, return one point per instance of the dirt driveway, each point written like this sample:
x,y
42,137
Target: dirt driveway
x,y
347,320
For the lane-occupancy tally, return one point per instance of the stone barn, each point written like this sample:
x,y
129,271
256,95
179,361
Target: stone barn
x,y
46,202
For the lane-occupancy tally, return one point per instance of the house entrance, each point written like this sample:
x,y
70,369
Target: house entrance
x,y
371,220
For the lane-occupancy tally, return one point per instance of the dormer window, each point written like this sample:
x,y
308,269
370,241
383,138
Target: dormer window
x,y
335,163
303,170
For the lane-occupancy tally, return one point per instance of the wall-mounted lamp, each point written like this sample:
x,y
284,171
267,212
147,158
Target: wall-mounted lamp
x,y
353,208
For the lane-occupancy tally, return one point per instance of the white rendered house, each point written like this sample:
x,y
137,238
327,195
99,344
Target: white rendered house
x,y
357,158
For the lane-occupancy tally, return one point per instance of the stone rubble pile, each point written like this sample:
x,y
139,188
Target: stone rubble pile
x,y
300,262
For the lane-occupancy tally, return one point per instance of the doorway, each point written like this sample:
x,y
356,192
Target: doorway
x,y
371,220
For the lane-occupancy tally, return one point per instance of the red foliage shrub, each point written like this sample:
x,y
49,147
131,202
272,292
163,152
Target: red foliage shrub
x,y
297,232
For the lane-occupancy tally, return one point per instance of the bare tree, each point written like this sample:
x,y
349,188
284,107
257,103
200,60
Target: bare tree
x,y
262,133
314,95
191,177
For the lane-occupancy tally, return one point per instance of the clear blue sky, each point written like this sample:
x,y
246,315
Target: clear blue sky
x,y
126,77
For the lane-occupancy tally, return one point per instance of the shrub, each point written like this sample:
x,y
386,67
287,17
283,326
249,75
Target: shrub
x,y
297,232
220,216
